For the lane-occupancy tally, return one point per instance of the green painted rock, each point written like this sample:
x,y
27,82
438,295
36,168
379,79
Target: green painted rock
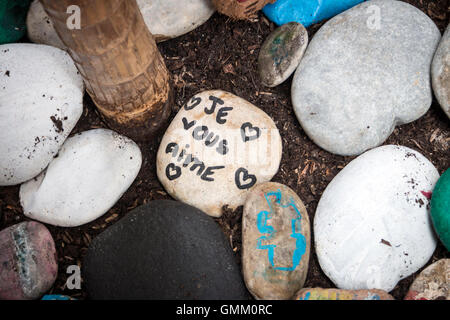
x,y
12,19
440,208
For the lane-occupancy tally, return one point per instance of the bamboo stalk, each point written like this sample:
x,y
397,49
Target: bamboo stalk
x,y
117,56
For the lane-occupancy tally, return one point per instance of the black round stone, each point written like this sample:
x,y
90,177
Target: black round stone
x,y
163,250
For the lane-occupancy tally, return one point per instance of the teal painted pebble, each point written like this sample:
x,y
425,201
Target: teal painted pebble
x,y
440,208
57,297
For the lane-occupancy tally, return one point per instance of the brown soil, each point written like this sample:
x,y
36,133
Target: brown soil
x,y
222,54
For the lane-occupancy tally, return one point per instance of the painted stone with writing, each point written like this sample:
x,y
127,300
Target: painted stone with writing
x,y
281,53
41,100
28,261
363,73
372,226
164,18
216,149
440,208
336,294
163,250
275,242
92,171
440,72
433,283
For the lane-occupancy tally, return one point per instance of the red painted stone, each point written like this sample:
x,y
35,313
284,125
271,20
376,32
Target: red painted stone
x,y
28,264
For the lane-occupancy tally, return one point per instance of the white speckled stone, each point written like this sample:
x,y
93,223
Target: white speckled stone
x,y
359,79
92,171
216,149
372,226
440,72
165,19
41,100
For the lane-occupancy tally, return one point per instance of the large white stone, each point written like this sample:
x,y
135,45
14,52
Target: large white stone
x,y
372,226
364,72
217,148
41,100
440,72
165,19
92,171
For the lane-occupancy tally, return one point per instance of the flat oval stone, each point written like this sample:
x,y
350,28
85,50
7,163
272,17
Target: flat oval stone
x,y
275,242
359,225
92,171
336,294
440,72
306,12
281,53
433,283
440,208
163,250
216,149
164,19
41,100
363,73
28,260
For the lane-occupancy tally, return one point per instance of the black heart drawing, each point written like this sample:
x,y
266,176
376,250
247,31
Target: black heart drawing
x,y
242,172
251,128
172,171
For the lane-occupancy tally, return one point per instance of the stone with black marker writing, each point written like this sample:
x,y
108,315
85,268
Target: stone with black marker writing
x,y
216,149
275,242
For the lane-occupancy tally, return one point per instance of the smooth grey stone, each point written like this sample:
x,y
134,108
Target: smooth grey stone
x,y
281,53
440,72
163,250
359,78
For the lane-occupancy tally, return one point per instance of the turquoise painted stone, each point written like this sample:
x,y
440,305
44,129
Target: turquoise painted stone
x,y
440,208
12,19
306,12
57,297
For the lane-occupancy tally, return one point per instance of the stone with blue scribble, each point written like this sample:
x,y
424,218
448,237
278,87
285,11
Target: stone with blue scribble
x,y
275,242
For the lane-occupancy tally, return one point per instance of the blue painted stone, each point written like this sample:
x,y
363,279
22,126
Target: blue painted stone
x,y
56,297
306,12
